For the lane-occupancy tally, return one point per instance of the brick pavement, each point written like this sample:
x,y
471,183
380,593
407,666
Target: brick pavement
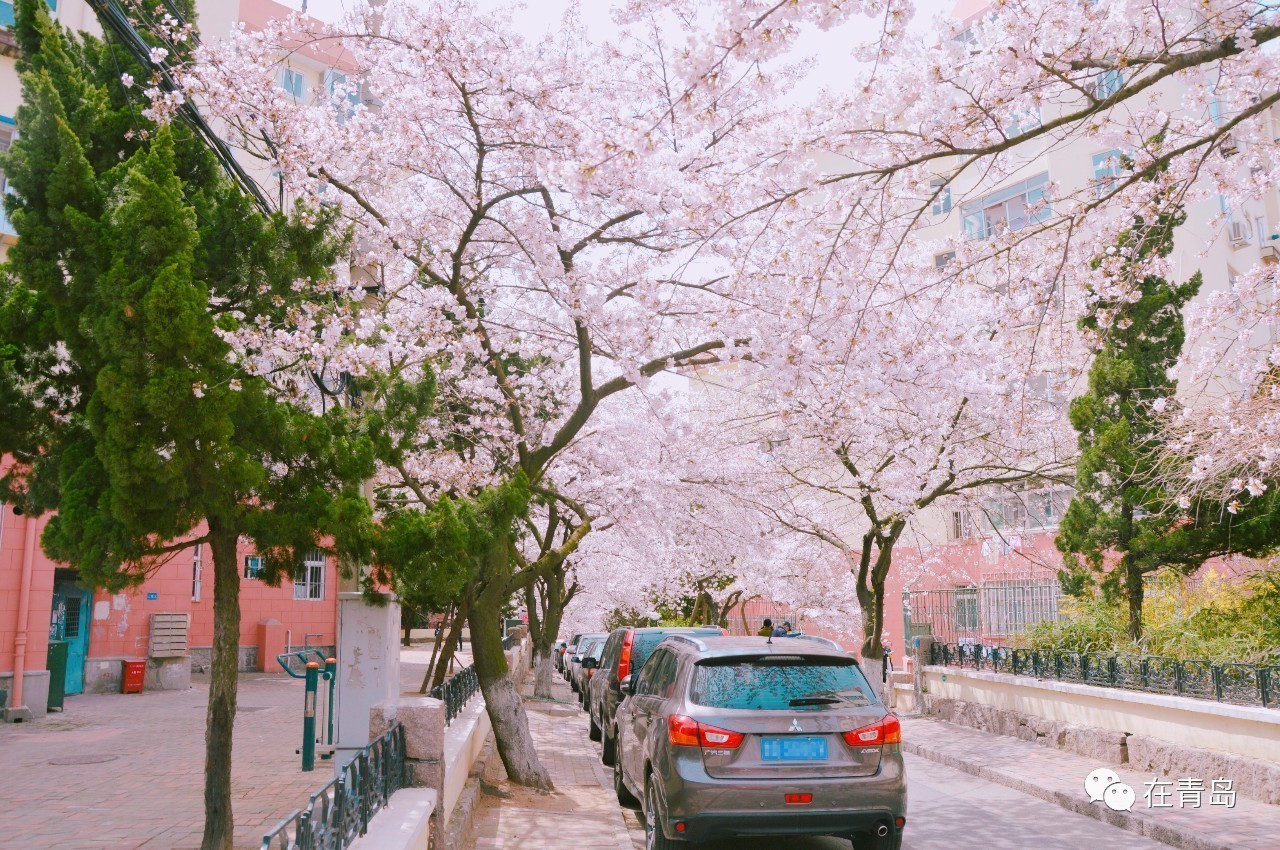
x,y
1058,777
126,772
582,813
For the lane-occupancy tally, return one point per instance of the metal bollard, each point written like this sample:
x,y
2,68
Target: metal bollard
x,y
331,675
309,717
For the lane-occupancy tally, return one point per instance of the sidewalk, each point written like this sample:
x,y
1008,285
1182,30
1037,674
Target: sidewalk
x,y
582,813
1058,777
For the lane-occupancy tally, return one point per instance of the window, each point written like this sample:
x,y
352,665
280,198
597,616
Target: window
x,y
960,526
337,88
197,568
649,672
252,566
941,204
310,584
6,11
1012,208
1107,169
941,260
294,82
1022,122
780,683
1107,83
966,600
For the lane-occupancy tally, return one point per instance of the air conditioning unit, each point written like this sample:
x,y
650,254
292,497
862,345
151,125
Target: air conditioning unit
x,y
1239,231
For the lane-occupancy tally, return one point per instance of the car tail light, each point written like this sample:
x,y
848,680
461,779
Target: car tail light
x,y
798,799
624,658
686,732
886,731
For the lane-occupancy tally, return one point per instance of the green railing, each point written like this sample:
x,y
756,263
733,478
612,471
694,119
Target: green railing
x,y
340,812
456,691
1242,684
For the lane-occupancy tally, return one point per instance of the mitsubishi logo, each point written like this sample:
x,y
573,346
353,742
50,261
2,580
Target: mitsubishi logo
x,y
795,725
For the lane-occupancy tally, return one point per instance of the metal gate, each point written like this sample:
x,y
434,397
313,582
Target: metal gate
x,y
992,611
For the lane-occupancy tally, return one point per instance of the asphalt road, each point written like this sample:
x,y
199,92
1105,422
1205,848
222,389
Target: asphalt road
x,y
950,810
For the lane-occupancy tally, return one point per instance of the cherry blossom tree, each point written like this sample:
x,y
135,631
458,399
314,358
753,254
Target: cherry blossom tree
x,y
550,223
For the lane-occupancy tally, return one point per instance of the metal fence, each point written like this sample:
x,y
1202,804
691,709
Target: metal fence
x,y
339,812
981,613
456,691
1243,684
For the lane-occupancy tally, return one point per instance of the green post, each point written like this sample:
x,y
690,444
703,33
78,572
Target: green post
x,y
330,673
309,717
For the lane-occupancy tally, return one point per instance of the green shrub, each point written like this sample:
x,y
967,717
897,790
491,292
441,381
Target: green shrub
x,y
1221,620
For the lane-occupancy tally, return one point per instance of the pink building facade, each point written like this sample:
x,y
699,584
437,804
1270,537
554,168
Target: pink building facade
x,y
101,630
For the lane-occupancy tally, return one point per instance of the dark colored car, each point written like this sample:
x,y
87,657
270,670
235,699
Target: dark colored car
x,y
624,653
567,653
723,738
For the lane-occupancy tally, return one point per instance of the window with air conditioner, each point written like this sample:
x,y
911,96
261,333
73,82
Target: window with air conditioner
x,y
310,581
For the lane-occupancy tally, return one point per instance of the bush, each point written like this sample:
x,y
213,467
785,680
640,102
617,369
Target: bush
x,y
1220,620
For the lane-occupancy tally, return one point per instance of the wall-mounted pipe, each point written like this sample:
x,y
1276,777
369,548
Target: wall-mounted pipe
x,y
24,613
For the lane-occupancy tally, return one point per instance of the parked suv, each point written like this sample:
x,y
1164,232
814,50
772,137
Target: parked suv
x,y
723,737
624,653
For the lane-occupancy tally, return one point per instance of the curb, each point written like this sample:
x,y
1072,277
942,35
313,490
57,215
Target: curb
x,y
1182,839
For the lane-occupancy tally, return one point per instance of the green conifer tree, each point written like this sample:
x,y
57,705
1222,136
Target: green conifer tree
x,y
119,401
1122,525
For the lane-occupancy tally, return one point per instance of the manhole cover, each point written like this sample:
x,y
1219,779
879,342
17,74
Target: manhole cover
x,y
83,759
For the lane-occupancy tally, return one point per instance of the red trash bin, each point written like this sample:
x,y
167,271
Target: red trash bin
x,y
135,672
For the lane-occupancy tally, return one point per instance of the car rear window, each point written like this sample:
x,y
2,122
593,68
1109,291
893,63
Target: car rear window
x,y
646,642
780,682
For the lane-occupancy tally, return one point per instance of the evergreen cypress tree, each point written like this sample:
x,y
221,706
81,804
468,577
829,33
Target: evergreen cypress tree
x,y
120,401
1122,524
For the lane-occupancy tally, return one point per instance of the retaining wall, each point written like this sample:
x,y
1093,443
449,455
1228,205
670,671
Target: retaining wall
x,y
1175,736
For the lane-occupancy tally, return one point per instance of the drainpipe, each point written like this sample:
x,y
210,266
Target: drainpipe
x,y
19,711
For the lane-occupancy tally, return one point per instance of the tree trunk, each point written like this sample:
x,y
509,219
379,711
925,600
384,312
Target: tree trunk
x,y
450,648
501,696
221,716
1135,591
554,603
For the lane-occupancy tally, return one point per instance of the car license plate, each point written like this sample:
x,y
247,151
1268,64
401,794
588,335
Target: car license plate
x,y
793,748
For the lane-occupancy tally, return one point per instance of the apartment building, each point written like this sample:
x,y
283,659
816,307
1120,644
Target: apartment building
x,y
167,620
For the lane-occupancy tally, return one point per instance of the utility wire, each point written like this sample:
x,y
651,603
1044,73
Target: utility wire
x,y
115,21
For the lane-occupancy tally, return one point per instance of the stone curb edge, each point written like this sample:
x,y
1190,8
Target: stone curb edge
x,y
1180,838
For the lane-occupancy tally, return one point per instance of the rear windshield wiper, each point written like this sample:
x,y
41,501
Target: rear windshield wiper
x,y
801,701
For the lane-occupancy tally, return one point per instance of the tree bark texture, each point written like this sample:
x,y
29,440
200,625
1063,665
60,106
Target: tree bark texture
x,y
221,715
501,695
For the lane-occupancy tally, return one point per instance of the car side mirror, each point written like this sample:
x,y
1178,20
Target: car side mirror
x,y
590,663
627,685
577,659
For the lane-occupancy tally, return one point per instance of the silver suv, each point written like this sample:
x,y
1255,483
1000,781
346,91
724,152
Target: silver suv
x,y
734,736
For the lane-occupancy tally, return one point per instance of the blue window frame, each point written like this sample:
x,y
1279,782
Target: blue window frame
x,y
1011,208
6,11
294,82
1106,171
1107,83
336,87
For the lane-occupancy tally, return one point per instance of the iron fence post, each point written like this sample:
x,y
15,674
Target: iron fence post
x,y
331,674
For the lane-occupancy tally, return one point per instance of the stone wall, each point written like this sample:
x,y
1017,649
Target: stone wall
x,y
1251,777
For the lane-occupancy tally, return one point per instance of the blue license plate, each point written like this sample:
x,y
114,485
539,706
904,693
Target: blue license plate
x,y
793,748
